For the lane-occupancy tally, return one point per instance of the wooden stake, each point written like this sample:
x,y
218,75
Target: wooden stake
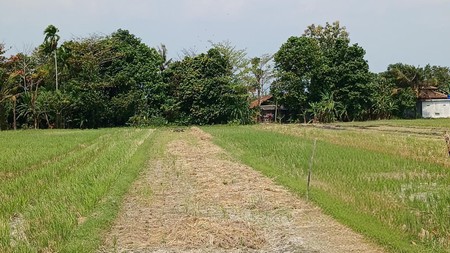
x,y
276,111
311,161
447,140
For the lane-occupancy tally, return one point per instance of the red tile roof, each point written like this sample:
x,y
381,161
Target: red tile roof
x,y
431,93
254,103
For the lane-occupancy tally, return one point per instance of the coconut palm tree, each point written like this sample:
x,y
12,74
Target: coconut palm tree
x,y
162,51
51,44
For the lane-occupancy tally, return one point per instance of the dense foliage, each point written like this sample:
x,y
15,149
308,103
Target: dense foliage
x,y
204,92
323,77
116,80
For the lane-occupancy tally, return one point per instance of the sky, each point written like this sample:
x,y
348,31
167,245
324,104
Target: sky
x,y
415,32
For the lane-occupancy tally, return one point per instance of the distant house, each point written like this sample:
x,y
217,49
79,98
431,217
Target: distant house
x,y
433,104
268,110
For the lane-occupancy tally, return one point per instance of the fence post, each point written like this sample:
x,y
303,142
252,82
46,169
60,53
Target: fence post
x,y
447,140
311,161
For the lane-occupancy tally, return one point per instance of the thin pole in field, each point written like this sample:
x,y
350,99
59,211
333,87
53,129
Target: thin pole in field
x,y
447,140
311,161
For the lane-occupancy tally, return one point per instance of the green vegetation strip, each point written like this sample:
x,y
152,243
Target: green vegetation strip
x,y
62,198
399,202
413,123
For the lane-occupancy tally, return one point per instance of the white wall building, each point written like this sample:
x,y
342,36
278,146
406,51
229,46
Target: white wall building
x,y
433,104
435,108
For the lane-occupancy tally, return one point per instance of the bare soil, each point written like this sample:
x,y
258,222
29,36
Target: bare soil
x,y
197,199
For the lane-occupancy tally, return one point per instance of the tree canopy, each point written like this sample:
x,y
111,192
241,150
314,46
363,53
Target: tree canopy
x,y
320,66
205,91
117,80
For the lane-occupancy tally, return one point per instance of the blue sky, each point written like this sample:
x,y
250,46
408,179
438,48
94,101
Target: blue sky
x,y
415,32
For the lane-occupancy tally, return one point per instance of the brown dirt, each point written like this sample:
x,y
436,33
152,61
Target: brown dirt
x,y
196,199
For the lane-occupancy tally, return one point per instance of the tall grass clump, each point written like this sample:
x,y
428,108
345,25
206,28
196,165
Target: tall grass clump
x,y
402,203
65,187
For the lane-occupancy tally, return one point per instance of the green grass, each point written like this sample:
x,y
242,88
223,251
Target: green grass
x,y
436,123
398,198
61,189
420,145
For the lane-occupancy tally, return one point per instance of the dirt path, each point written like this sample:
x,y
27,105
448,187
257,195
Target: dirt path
x,y
195,199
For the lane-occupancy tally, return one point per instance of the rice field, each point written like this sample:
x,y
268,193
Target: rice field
x,y
392,185
61,188
443,123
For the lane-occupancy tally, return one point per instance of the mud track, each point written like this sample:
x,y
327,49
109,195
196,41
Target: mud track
x,y
197,199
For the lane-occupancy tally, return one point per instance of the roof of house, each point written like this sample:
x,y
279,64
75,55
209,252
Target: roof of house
x,y
254,103
431,93
268,107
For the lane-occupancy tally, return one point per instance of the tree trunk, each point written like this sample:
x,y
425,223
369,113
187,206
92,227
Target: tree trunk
x,y
259,105
33,106
58,119
56,70
47,121
3,123
14,113
259,97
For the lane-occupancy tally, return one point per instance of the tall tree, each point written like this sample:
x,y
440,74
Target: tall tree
x,y
326,63
327,35
406,76
352,81
438,76
8,88
134,77
112,79
51,45
260,74
162,51
39,71
407,81
205,91
296,63
22,65
291,90
236,57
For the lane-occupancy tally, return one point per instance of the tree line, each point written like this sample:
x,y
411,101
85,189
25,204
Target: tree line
x,y
116,80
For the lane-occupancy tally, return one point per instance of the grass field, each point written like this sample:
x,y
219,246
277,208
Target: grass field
x,y
389,184
60,189
413,123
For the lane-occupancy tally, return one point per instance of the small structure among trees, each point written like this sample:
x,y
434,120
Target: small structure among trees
x,y
269,111
432,103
